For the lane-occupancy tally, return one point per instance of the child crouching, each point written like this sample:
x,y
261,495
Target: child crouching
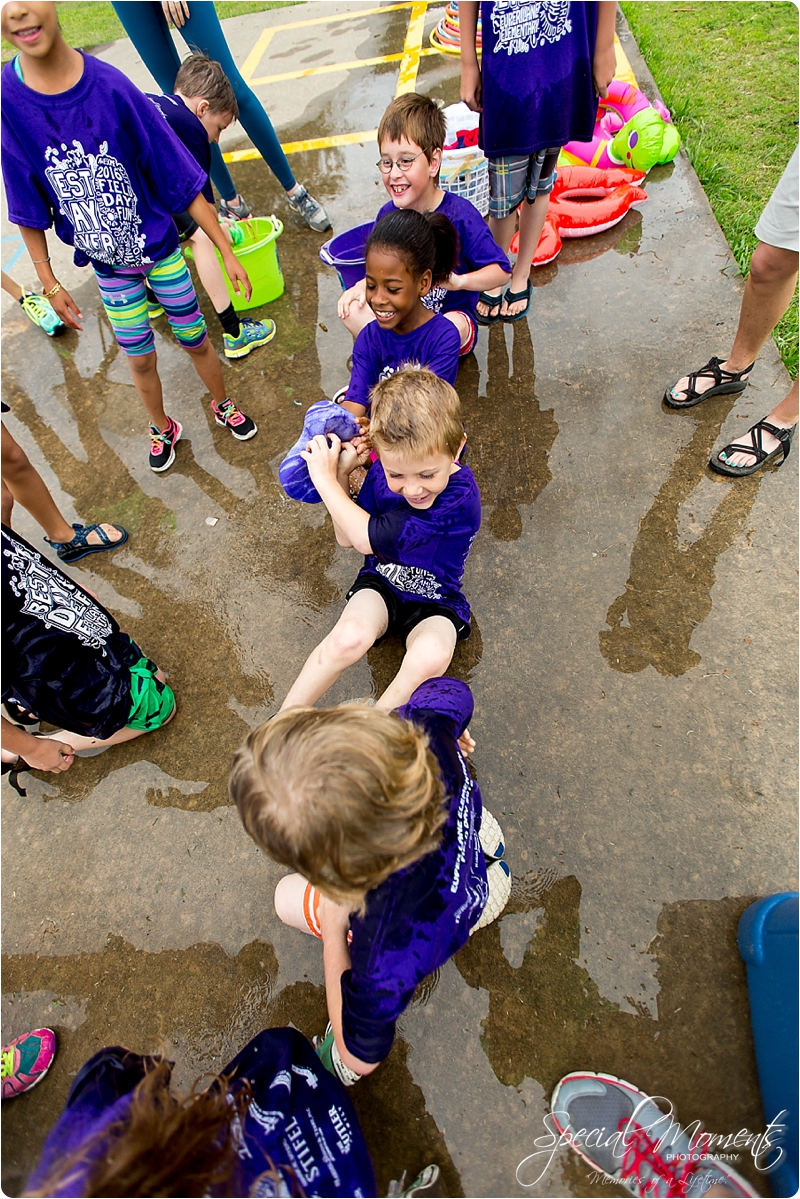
x,y
396,861
416,517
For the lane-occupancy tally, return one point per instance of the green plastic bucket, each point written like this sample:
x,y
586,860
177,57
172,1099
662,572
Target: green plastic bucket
x,y
258,254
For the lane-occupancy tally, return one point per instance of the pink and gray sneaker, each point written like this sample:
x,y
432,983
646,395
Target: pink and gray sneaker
x,y
229,416
162,445
26,1060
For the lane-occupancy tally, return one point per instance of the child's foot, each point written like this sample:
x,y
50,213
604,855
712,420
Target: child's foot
x,y
26,1060
251,334
42,313
162,445
498,876
229,416
89,539
309,209
235,209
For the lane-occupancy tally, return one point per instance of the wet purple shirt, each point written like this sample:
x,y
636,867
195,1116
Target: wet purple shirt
x,y
421,555
100,163
378,353
420,916
476,248
536,75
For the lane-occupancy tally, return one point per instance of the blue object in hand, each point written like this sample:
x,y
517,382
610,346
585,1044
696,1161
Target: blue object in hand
x,y
322,417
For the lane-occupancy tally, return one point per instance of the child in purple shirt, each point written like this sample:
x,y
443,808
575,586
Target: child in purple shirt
x,y
411,138
397,860
85,151
415,520
406,254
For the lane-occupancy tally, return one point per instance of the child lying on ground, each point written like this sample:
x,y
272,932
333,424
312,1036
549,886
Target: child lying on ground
x,y
417,515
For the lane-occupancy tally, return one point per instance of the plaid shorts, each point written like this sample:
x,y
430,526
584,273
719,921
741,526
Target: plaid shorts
x,y
520,177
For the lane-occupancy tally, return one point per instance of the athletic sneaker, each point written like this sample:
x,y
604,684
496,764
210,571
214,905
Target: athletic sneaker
x,y
26,1060
154,311
498,876
310,210
491,838
42,313
622,1133
162,445
322,417
251,334
229,416
341,394
234,212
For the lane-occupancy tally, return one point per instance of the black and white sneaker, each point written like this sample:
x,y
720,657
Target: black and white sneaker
x,y
230,417
162,445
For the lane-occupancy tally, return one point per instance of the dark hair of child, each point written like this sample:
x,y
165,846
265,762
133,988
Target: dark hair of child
x,y
424,241
163,1145
416,118
199,75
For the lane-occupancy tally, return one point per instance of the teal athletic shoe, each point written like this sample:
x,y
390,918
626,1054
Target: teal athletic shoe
x,y
42,313
251,334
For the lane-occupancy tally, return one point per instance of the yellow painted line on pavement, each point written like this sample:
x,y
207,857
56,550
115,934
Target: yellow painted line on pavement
x,y
412,47
256,54
313,143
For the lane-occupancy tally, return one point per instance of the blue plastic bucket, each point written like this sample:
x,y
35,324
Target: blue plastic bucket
x,y
346,253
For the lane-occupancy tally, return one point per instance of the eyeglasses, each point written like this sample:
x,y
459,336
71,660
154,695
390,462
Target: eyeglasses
x,y
405,163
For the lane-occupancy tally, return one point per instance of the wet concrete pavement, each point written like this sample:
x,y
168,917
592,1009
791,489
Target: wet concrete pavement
x,y
636,703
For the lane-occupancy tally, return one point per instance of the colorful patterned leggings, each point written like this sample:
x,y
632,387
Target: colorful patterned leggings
x,y
125,300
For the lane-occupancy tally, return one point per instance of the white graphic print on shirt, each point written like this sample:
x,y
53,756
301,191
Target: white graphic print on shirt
x,y
95,195
412,579
519,28
55,601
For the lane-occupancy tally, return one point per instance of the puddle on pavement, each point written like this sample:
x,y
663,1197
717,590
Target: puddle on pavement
x,y
204,1006
546,1016
668,592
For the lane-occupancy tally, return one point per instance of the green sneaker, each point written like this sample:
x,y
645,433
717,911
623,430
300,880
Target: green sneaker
x,y
251,334
42,313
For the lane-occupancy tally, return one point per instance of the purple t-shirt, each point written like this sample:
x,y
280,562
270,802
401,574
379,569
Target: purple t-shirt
x,y
100,163
420,916
378,353
421,554
476,248
536,75
189,130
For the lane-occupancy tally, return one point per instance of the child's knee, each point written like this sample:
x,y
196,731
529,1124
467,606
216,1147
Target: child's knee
x,y
288,898
142,364
349,640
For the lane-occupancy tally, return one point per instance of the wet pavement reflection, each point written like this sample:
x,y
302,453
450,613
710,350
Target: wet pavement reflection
x,y
632,694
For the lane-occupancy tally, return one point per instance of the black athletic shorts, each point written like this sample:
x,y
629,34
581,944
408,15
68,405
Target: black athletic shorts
x,y
405,615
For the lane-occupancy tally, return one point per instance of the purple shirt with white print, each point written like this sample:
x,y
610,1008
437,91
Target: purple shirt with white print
x,y
378,353
100,163
419,917
421,553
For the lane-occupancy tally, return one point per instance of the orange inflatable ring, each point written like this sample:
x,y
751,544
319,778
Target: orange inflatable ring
x,y
584,201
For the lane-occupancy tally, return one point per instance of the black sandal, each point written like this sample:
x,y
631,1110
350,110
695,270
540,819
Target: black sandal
x,y
13,770
79,547
513,297
493,303
725,383
755,449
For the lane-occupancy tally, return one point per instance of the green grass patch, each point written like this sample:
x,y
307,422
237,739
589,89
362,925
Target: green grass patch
x,y
728,74
88,23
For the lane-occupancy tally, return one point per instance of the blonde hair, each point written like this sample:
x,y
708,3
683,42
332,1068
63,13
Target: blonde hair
x,y
416,118
344,796
415,413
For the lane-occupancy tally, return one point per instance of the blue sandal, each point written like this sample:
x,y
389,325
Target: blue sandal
x,y
513,297
79,547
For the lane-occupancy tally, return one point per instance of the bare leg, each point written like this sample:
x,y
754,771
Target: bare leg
x,y
28,488
8,506
206,363
289,895
531,222
502,229
364,619
462,323
209,270
767,294
429,651
11,286
146,380
79,742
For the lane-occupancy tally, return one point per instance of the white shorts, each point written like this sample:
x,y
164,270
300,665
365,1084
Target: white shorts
x,y
779,223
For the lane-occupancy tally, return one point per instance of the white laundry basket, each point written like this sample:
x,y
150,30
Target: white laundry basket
x,y
466,173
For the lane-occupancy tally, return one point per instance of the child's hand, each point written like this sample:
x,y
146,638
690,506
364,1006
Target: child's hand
x,y
238,276
471,86
363,447
348,459
323,457
354,295
465,743
46,754
67,309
